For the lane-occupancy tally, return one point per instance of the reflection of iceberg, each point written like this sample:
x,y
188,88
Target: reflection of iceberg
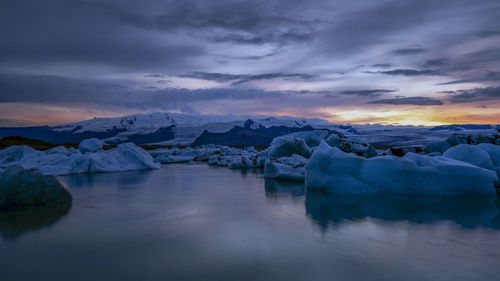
x,y
90,180
277,188
469,212
14,223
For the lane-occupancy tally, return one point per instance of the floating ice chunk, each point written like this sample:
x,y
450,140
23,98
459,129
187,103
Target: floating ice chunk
x,y
275,170
60,150
68,161
20,187
169,159
287,145
440,147
493,151
293,161
335,171
472,154
456,139
351,145
90,145
14,154
132,157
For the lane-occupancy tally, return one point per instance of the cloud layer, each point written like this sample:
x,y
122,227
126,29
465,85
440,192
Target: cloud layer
x,y
319,58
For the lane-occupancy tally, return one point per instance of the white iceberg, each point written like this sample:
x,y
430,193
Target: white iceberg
x,y
335,171
170,159
462,138
217,155
485,155
288,154
62,161
471,154
275,170
90,145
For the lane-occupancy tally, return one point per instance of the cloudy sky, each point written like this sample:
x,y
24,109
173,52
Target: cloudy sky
x,y
385,61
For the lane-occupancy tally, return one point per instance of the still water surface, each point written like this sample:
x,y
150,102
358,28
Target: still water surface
x,y
195,222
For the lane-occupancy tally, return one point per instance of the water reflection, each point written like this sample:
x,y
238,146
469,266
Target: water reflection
x,y
195,222
249,171
15,223
468,212
119,178
276,188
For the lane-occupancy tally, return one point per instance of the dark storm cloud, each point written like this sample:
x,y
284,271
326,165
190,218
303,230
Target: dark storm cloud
x,y
409,101
472,66
77,33
155,76
48,89
411,72
326,43
435,62
249,22
408,51
478,94
250,58
489,33
382,65
236,79
482,76
377,21
367,93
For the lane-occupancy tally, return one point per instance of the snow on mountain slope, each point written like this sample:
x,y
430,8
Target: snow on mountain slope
x,y
152,121
184,127
140,122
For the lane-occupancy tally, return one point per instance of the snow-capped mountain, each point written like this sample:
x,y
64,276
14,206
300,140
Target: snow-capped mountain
x,y
464,127
189,129
174,128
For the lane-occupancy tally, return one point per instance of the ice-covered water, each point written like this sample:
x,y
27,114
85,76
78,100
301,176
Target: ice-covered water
x,y
196,222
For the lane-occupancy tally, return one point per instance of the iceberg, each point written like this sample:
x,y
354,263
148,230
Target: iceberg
x,y
484,155
274,170
332,170
20,187
90,145
288,154
471,154
62,161
217,155
456,139
170,159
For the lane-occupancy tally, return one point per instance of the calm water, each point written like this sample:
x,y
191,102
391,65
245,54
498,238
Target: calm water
x,y
195,222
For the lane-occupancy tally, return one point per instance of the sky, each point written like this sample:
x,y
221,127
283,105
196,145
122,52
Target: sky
x,y
387,61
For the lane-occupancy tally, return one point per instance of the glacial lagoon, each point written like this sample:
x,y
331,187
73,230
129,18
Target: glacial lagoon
x,y
198,222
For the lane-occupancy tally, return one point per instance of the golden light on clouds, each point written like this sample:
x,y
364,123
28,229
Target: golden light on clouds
x,y
413,115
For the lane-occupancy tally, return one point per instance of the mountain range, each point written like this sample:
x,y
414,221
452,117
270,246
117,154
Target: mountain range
x,y
194,129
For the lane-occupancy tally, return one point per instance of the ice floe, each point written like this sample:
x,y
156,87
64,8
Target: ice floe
x,y
287,155
456,139
20,187
335,171
62,161
484,155
90,145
